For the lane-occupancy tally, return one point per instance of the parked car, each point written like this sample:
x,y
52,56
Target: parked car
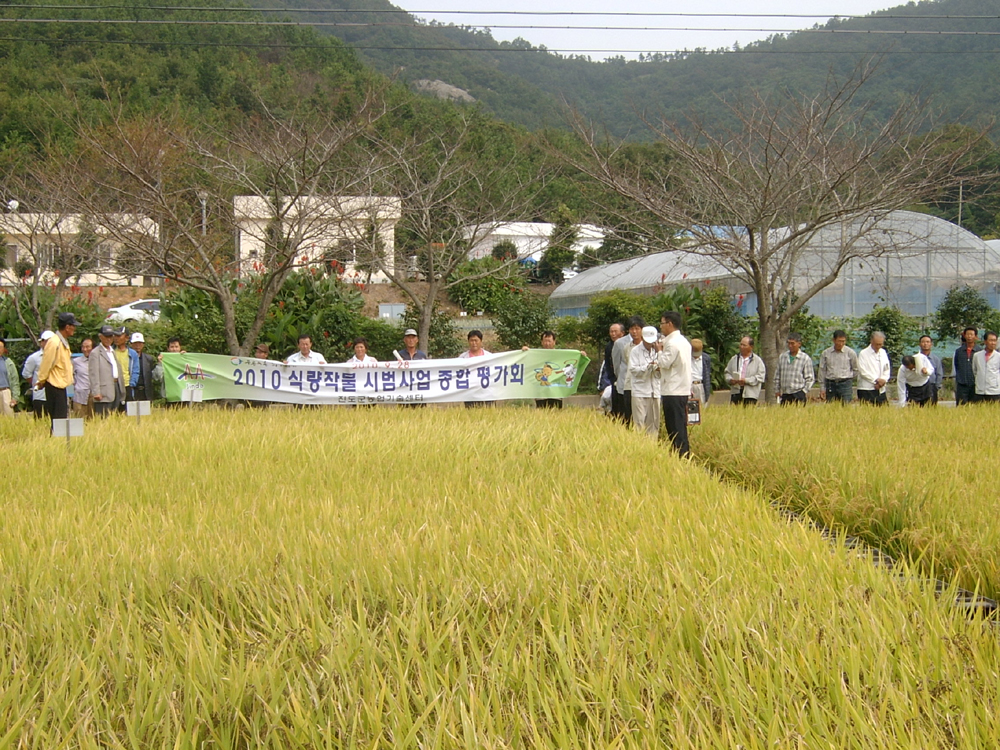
x,y
140,311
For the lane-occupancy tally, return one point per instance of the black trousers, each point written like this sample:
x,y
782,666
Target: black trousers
x,y
964,394
794,399
617,403
675,419
627,409
548,403
57,402
873,397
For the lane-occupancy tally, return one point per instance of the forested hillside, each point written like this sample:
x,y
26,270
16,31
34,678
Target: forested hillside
x,y
529,86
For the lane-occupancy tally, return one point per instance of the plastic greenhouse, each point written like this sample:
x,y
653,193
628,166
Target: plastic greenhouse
x,y
921,257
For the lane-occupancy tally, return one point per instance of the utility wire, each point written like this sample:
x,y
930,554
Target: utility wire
x,y
651,14
490,50
358,24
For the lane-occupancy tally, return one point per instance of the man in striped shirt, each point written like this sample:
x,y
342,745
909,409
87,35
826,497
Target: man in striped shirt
x,y
795,373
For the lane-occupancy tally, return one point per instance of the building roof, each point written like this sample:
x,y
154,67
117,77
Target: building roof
x,y
921,257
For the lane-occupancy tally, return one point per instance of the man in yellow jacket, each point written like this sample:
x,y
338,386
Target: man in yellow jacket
x,y
56,371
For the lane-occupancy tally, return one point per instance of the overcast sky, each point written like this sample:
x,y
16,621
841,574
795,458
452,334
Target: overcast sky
x,y
631,42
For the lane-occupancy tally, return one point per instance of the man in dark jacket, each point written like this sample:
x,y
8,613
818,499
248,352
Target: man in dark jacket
x,y
965,383
142,388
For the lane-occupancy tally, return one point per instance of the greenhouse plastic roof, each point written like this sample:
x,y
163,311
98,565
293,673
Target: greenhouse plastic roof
x,y
923,256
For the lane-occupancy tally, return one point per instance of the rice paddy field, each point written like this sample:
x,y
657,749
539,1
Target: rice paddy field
x,y
918,483
456,578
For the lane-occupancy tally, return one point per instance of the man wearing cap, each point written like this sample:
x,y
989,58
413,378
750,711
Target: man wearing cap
x,y
107,382
55,374
142,388
128,363
745,374
30,373
10,386
701,373
644,367
409,351
82,405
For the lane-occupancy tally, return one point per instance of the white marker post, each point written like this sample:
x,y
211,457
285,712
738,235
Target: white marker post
x,y
70,428
137,409
192,395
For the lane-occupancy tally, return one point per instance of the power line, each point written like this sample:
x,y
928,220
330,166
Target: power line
x,y
613,14
359,24
491,50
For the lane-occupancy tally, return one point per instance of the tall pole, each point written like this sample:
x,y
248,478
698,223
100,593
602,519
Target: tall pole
x,y
961,186
203,197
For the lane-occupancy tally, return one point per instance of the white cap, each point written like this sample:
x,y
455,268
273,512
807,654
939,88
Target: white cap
x,y
46,335
138,337
650,334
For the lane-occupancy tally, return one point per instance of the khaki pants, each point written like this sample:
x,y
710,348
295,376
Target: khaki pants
x,y
5,409
646,415
698,391
85,411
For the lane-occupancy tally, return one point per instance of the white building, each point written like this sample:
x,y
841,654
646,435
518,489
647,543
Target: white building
x,y
532,238
85,250
348,230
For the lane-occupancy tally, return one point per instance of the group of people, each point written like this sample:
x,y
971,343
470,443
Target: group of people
x,y
648,371
918,379
98,381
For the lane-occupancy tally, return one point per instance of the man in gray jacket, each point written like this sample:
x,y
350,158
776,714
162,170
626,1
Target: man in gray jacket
x,y
619,355
107,382
745,374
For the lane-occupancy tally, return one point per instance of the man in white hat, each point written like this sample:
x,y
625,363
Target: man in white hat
x,y
644,367
30,373
142,388
409,350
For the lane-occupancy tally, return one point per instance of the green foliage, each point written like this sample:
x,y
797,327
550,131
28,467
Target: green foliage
x,y
611,307
485,284
317,304
559,253
36,305
505,250
521,322
195,317
706,312
382,337
961,308
444,339
902,331
611,250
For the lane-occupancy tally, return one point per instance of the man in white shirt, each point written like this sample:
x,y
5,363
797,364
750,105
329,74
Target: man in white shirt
x,y
873,371
305,355
986,370
30,373
675,379
745,374
915,380
644,367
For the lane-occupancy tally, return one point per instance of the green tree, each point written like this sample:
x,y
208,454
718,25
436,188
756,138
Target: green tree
x,y
521,321
559,253
505,250
961,308
902,331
